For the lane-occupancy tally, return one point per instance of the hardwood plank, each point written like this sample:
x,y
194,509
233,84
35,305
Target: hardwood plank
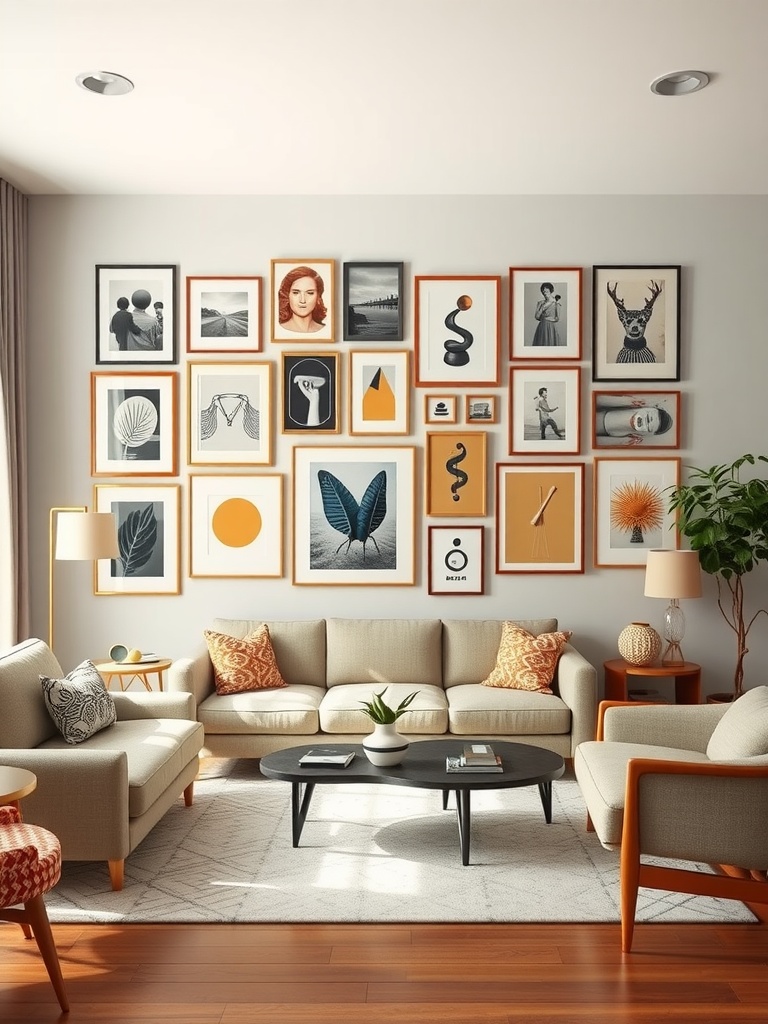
x,y
586,990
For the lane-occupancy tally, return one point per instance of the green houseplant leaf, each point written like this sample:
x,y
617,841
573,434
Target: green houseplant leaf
x,y
380,712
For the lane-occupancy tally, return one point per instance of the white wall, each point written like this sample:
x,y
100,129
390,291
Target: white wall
x,y
719,241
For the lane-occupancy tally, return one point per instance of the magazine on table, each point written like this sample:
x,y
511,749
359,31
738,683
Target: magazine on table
x,y
455,764
477,754
326,757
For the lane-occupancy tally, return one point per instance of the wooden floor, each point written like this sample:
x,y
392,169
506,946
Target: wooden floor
x,y
393,974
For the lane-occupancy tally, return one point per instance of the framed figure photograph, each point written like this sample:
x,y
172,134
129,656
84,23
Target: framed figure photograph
x,y
148,518
540,517
636,323
373,302
379,392
310,393
455,560
354,516
636,419
303,301
545,410
458,330
631,514
236,525
133,423
230,413
224,314
441,409
455,473
545,312
480,409
136,314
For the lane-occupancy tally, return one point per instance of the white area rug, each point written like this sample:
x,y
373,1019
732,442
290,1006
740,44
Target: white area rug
x,y
367,853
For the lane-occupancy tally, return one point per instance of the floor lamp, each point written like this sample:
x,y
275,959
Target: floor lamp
x,y
673,574
77,535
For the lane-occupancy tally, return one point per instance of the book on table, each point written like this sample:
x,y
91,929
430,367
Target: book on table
x,y
326,757
478,754
456,764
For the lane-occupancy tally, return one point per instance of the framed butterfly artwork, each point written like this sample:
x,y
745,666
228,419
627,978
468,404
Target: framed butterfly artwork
x,y
354,516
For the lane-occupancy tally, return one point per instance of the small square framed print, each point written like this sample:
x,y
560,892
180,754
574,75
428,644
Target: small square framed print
x,y
456,471
480,409
458,321
310,393
545,312
379,392
224,314
373,302
636,419
441,409
545,410
631,513
136,313
455,560
303,301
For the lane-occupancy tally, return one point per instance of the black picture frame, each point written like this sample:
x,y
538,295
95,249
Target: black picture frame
x,y
307,378
373,301
145,331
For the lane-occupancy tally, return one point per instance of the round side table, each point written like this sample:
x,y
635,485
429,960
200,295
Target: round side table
x,y
687,677
125,673
15,784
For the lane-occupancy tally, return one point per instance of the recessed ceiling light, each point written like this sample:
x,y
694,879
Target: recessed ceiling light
x,y
106,83
679,83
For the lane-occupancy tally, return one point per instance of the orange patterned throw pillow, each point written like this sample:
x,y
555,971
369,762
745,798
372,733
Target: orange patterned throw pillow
x,y
526,662
242,665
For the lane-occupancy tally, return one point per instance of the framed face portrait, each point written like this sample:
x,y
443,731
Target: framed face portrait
x,y
636,323
379,392
310,393
224,314
133,423
303,301
636,419
545,410
230,413
545,312
456,556
373,302
136,314
631,514
456,472
458,327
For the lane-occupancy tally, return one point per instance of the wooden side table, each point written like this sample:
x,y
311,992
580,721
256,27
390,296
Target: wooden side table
x,y
15,783
125,672
619,673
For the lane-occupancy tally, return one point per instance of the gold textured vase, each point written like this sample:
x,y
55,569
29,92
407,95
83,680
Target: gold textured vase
x,y
639,643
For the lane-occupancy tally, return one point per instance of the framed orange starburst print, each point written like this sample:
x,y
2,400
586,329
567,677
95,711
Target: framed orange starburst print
x,y
631,510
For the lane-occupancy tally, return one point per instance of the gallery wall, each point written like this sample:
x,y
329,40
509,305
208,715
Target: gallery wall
x,y
718,242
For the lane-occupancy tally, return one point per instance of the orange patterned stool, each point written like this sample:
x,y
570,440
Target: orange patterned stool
x,y
30,865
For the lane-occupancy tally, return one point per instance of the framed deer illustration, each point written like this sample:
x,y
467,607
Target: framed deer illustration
x,y
636,323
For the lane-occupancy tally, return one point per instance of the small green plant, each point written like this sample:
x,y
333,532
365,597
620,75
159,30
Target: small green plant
x,y
383,714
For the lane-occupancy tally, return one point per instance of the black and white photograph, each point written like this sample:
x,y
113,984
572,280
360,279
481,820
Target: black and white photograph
x,y
224,314
230,413
310,393
545,312
136,314
636,419
133,423
148,517
455,560
373,301
544,410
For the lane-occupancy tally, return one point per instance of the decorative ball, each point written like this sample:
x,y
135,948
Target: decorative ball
x,y
639,643
464,302
133,655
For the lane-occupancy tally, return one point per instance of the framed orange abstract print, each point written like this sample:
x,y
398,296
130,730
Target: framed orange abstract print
x,y
456,473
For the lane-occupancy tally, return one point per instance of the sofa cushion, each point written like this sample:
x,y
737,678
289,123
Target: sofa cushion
x,y
299,645
475,710
524,661
743,729
292,710
384,651
25,722
242,665
342,712
470,646
79,704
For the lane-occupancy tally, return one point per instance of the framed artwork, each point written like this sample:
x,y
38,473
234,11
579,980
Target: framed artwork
x,y
373,301
480,409
636,323
133,423
545,313
540,517
379,392
631,509
303,301
636,419
136,314
310,393
545,410
224,314
148,519
236,525
354,516
230,414
455,560
440,409
456,473
458,327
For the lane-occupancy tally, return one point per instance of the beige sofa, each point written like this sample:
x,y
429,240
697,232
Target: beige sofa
x,y
102,796
333,664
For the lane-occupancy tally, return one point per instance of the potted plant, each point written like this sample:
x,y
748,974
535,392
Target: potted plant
x,y
385,746
725,519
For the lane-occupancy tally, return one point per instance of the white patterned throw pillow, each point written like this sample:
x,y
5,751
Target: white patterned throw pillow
x,y
80,704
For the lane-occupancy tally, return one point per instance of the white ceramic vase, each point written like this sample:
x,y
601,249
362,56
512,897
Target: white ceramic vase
x,y
385,746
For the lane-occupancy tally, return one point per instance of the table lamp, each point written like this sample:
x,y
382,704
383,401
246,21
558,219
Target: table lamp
x,y
674,575
77,535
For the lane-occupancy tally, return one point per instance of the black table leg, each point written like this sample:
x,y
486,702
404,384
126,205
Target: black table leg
x,y
300,807
446,794
545,792
464,819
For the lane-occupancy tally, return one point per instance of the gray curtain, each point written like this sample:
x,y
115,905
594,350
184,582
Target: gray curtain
x,y
14,571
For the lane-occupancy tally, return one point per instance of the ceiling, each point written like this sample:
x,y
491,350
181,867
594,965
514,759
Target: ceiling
x,y
251,97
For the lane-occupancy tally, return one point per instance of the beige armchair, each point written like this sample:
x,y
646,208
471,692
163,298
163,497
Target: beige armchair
x,y
685,782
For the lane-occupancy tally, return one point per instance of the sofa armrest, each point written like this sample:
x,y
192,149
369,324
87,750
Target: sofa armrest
x,y
133,706
577,688
684,726
192,675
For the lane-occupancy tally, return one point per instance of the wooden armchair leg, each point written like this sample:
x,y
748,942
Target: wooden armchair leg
x,y
630,878
41,928
590,826
116,874
188,794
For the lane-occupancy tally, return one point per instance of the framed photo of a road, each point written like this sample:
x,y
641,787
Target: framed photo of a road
x,y
373,302
224,314
136,314
458,327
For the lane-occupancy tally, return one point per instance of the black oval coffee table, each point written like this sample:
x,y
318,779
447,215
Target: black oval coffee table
x,y
423,768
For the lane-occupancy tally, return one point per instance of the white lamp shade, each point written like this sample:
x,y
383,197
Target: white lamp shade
x,y
673,574
85,536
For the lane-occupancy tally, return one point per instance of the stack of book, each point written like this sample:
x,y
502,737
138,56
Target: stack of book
x,y
326,757
476,757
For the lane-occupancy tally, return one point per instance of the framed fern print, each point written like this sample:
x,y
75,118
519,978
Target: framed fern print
x,y
133,423
148,517
354,516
